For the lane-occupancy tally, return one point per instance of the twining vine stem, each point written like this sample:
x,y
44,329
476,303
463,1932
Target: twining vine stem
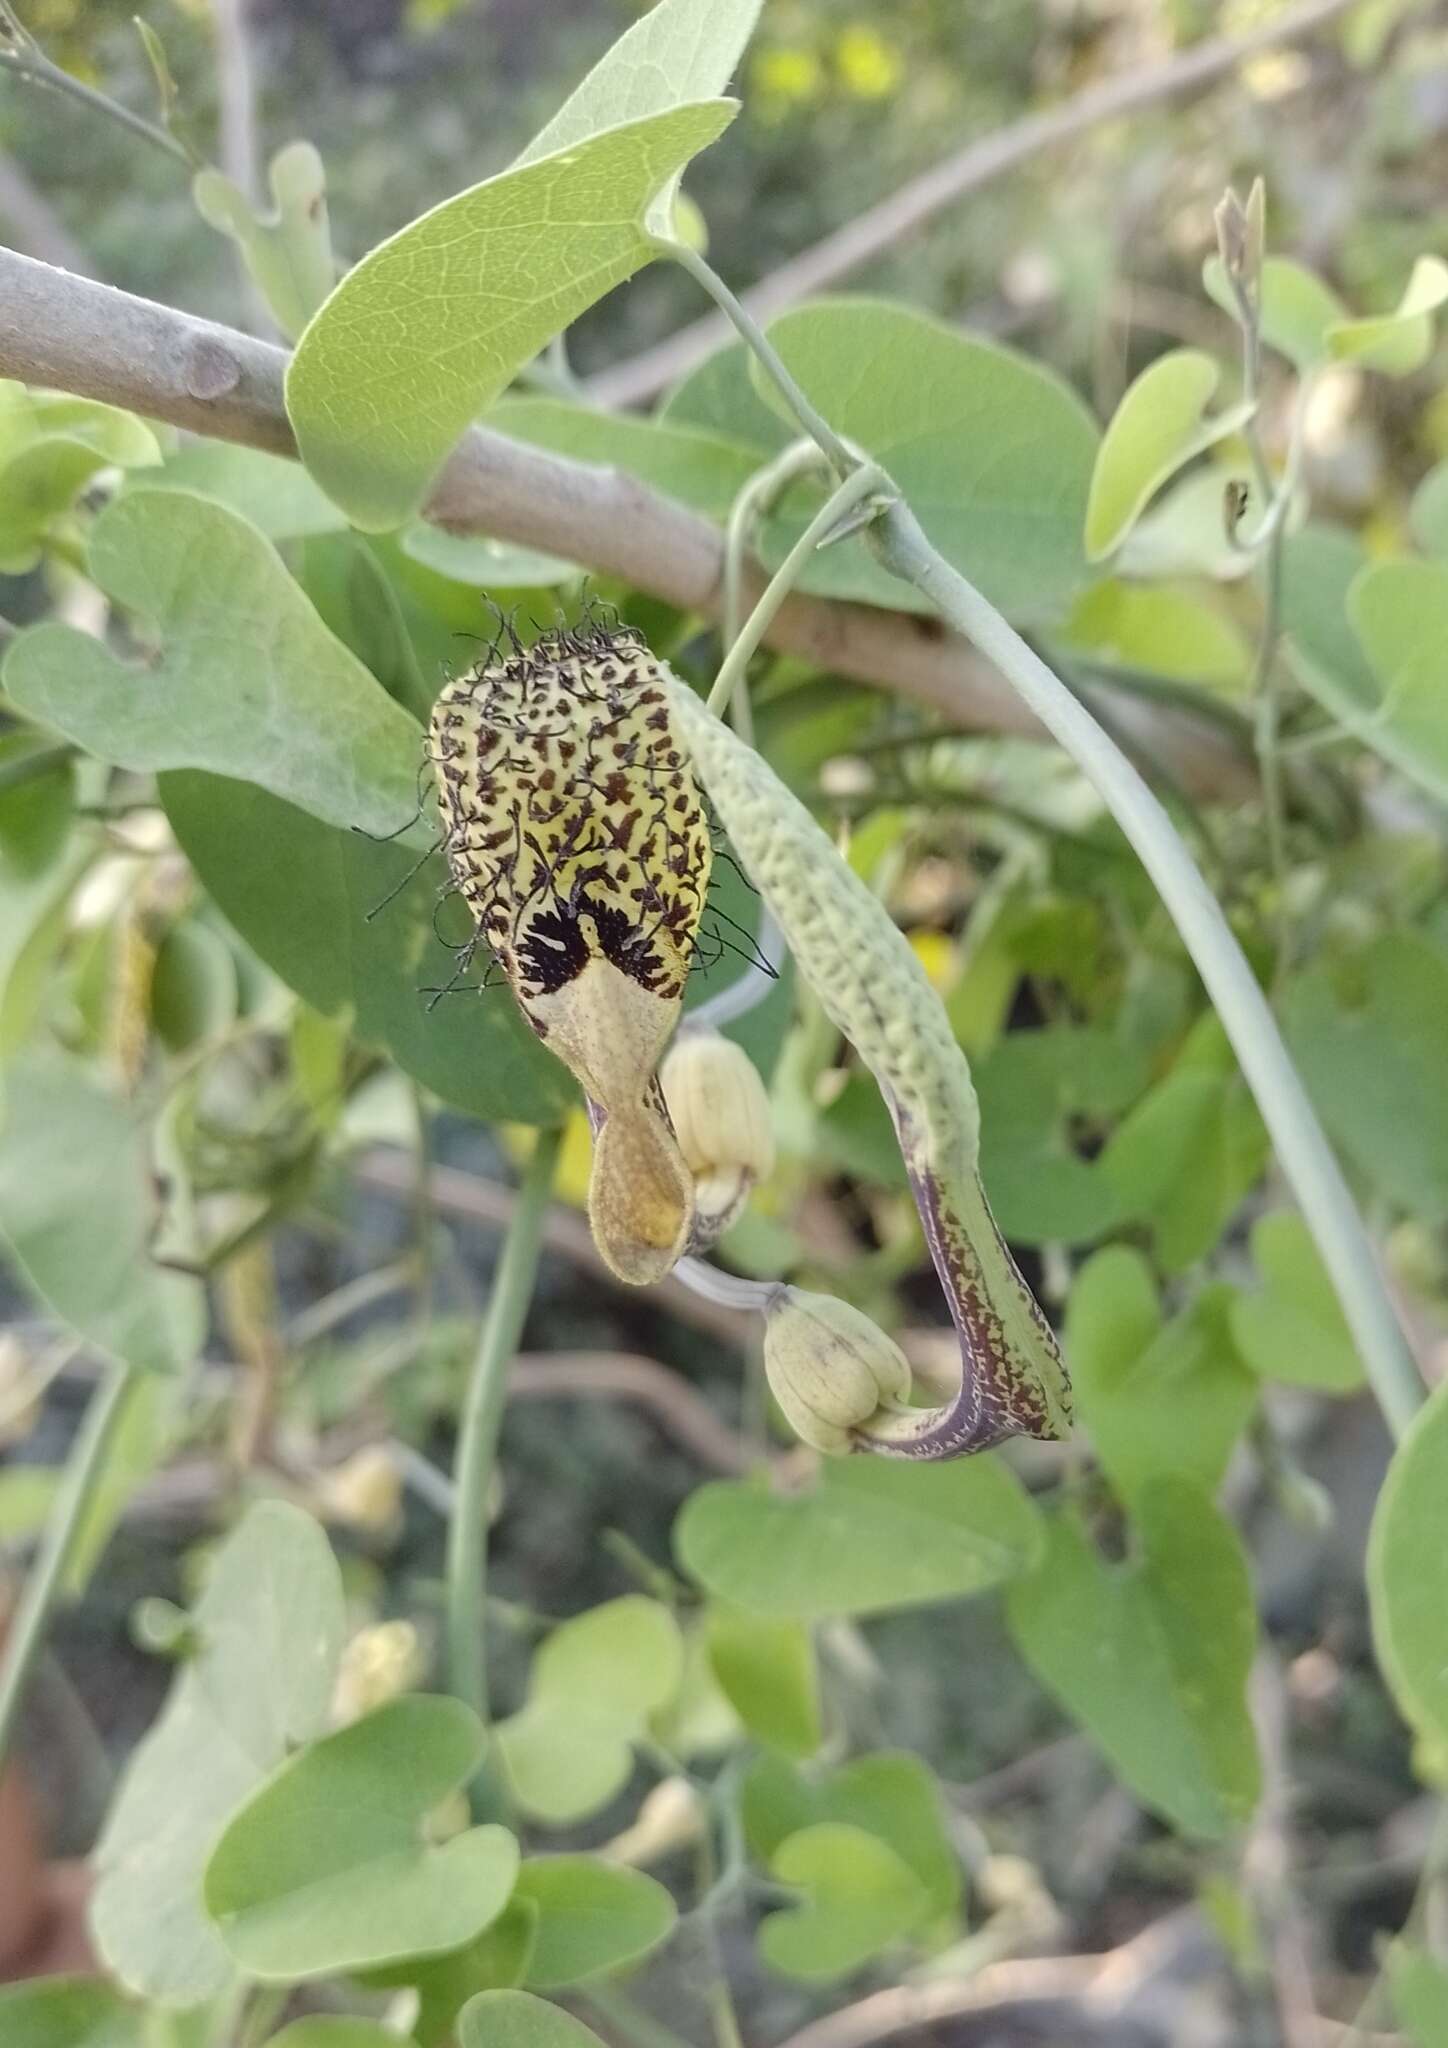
x,y
1307,1158
467,1540
862,482
84,1471
23,57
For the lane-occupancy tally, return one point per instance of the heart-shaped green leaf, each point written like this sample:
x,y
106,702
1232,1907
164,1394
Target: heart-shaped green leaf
x,y
767,1672
248,682
890,1795
1156,629
700,468
313,903
1408,1577
268,1633
1189,1151
1156,1398
593,1917
327,1867
1399,611
1293,1329
428,329
515,2019
1367,1032
870,1535
1171,1636
1320,569
77,1213
680,50
593,1687
1031,1087
861,1899
272,492
51,446
1156,430
992,452
1399,342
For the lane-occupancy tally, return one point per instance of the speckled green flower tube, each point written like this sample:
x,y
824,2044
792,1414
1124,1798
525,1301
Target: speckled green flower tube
x,y
1013,1380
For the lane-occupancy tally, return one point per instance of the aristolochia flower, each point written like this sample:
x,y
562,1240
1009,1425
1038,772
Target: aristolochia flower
x,y
576,836
860,965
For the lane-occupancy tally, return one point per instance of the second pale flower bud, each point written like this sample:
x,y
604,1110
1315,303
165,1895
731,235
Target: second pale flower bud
x,y
829,1367
720,1115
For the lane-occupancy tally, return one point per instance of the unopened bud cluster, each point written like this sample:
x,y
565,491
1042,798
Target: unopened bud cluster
x,y
720,1114
829,1367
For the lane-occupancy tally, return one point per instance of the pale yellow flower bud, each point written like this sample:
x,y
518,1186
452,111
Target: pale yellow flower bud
x,y
829,1367
365,1492
377,1664
720,1113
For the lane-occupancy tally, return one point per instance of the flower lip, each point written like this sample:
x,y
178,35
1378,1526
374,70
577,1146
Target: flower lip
x,y
575,833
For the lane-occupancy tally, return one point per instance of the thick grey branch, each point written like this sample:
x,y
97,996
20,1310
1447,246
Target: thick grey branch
x,y
979,163
74,335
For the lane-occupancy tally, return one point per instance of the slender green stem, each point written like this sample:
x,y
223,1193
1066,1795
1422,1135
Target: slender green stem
x,y
761,491
83,1474
1307,1158
839,456
864,482
467,1544
23,58
717,1995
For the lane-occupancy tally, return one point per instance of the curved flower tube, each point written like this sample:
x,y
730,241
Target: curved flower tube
x,y
1013,1381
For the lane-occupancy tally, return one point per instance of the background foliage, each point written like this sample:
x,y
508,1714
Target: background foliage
x,y
810,1733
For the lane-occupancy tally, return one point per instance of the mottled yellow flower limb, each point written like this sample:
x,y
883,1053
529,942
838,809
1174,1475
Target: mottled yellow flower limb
x,y
1013,1381
575,835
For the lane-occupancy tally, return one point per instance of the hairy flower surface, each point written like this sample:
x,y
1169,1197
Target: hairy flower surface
x,y
860,965
576,836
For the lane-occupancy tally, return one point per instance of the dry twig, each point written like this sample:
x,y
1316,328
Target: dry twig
x,y
74,335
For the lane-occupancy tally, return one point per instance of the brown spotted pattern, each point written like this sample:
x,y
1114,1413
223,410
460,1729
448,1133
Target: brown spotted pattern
x,y
574,828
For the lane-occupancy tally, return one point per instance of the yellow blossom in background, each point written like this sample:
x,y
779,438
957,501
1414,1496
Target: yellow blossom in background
x,y
936,953
377,1664
870,68
787,77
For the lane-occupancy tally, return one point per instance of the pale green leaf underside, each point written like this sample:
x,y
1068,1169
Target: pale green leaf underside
x,y
76,1214
680,50
993,452
1390,702
593,1687
873,1536
248,682
1155,431
430,327
1152,1657
269,1630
